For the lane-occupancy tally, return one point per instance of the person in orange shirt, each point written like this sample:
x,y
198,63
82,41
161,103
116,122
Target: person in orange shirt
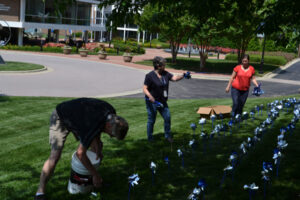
x,y
240,84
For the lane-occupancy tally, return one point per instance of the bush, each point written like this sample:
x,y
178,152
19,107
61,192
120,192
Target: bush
x,y
274,60
36,48
130,45
254,45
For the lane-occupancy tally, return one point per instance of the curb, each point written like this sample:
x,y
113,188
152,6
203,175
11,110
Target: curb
x,y
24,72
278,70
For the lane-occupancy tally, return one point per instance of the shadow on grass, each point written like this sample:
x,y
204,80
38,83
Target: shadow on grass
x,y
122,159
4,98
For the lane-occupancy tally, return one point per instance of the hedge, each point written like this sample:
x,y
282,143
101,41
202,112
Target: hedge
x,y
274,60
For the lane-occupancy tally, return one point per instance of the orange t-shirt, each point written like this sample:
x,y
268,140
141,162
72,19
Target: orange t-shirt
x,y
243,78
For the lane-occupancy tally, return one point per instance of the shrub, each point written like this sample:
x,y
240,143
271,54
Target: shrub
x,y
274,60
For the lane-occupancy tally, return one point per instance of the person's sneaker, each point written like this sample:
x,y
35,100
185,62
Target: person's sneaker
x,y
40,197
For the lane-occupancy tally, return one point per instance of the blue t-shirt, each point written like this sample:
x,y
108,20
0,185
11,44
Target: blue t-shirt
x,y
156,86
85,117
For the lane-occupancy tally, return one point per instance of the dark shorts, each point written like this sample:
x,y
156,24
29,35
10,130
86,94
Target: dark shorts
x,y
57,133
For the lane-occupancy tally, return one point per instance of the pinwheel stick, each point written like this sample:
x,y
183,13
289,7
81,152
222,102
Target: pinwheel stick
x,y
152,177
223,178
129,191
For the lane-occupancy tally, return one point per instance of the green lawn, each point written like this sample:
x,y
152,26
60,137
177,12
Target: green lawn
x,y
19,66
24,148
212,65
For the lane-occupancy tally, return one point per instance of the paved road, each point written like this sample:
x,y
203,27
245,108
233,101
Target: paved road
x,y
200,88
77,77
291,73
69,77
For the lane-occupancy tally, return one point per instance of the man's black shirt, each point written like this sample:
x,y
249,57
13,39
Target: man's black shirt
x,y
85,117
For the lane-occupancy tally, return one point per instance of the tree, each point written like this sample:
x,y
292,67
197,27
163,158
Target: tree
x,y
173,22
241,19
203,34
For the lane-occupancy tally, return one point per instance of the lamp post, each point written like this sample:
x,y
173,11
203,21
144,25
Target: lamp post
x,y
262,56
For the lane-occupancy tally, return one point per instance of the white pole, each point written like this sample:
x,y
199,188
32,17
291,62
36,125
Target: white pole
x,y
124,35
20,37
143,37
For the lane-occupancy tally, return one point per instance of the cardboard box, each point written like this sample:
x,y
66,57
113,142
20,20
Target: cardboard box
x,y
214,110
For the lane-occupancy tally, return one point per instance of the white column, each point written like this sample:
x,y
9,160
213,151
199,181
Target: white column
x,y
157,36
143,37
91,36
20,37
138,35
110,33
124,35
102,24
22,10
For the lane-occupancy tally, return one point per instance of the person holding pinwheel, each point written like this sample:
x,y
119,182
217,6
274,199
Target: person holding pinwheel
x,y
156,88
240,84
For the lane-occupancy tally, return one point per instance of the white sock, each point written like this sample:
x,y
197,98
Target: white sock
x,y
39,193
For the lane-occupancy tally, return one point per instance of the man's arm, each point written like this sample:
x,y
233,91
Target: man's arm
x,y
81,154
97,146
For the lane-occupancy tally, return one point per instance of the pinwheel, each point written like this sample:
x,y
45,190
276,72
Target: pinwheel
x,y
257,91
238,119
193,127
167,161
153,168
245,116
276,157
156,103
287,105
212,117
187,75
195,194
243,148
202,121
133,180
281,144
230,124
261,108
267,167
251,189
180,155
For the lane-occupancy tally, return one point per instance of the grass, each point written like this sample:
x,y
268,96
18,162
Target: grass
x,y
19,66
212,65
24,148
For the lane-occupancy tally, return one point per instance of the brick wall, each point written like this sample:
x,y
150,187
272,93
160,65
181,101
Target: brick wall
x,y
14,12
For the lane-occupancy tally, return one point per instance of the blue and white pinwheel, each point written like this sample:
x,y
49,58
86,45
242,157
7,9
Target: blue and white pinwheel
x,y
282,144
153,167
195,194
276,155
179,152
251,187
191,142
243,148
257,91
133,179
202,121
193,126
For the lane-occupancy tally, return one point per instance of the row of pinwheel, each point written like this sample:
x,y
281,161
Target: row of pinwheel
x,y
267,167
198,191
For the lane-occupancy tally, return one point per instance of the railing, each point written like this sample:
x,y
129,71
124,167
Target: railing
x,y
57,20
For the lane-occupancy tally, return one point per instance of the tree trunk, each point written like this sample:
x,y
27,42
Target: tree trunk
x,y
203,57
174,50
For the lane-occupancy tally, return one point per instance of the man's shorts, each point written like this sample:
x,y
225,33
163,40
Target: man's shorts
x,y
57,133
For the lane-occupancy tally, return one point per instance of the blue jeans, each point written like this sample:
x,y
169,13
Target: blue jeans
x,y
239,98
164,112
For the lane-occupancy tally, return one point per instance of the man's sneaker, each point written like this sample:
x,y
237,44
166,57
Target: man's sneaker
x,y
40,197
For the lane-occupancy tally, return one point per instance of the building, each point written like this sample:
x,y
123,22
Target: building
x,y
83,15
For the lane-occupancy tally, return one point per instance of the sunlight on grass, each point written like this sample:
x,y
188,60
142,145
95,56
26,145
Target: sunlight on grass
x,y
24,148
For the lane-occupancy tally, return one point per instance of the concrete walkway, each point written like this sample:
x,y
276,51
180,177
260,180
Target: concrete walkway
x,y
75,76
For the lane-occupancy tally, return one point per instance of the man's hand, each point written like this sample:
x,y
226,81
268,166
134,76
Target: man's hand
x,y
97,181
151,98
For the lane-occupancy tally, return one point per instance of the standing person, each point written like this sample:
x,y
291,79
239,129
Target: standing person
x,y
86,118
240,82
156,88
